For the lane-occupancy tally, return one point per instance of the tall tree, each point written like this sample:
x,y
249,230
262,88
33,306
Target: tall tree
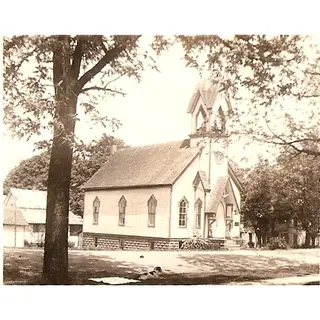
x,y
297,191
45,75
257,208
70,66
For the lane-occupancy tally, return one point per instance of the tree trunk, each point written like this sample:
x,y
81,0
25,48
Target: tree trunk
x,y
307,241
258,234
313,241
55,263
55,266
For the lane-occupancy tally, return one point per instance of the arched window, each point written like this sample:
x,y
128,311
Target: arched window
x,y
220,121
198,209
152,204
96,207
122,211
183,211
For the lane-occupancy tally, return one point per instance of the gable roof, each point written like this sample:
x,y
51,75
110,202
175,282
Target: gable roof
x,y
13,217
217,194
202,177
204,180
235,179
32,206
207,90
218,191
151,165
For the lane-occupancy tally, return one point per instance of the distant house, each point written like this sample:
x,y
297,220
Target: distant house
x,y
25,218
153,197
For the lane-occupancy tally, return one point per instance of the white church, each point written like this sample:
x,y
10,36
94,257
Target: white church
x,y
153,197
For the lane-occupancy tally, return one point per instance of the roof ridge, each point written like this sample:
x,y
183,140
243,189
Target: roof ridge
x,y
154,144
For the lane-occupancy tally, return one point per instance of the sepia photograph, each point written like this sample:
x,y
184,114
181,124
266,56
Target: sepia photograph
x,y
161,159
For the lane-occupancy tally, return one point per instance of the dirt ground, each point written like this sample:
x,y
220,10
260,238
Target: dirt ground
x,y
23,266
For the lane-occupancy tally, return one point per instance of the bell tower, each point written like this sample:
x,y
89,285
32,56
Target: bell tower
x,y
209,108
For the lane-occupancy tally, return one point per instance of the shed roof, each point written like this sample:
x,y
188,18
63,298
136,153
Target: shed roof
x,y
32,205
38,216
12,216
31,199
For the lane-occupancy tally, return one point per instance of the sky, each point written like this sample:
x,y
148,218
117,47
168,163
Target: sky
x,y
153,111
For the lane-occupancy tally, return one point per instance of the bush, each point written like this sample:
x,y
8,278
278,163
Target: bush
x,y
251,244
40,244
199,243
27,243
277,243
71,244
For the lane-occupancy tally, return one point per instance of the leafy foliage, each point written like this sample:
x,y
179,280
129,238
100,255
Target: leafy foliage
x,y
284,193
199,243
33,172
48,79
277,243
43,80
271,79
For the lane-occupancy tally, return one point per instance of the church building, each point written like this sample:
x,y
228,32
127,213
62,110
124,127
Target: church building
x,y
153,197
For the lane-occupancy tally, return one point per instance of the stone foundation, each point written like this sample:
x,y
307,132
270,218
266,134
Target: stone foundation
x,y
130,243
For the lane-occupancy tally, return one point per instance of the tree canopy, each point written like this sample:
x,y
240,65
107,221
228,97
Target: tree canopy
x,y
48,80
273,80
88,158
285,191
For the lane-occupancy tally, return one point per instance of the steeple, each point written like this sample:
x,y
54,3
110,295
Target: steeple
x,y
208,108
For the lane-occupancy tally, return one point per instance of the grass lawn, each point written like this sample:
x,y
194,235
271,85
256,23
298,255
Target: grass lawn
x,y
23,266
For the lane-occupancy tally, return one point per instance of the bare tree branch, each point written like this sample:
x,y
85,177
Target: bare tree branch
x,y
102,89
110,55
292,143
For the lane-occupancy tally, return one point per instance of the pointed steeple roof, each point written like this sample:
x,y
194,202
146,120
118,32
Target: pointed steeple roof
x,y
207,90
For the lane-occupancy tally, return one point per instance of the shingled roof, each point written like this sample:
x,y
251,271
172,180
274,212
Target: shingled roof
x,y
31,205
151,165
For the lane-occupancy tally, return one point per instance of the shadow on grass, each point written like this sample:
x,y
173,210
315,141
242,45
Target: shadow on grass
x,y
251,266
25,267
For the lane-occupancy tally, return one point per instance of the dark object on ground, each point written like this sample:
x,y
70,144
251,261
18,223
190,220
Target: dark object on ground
x,y
155,273
251,244
141,256
313,283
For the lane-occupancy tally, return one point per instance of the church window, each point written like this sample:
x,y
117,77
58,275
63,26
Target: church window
x,y
122,211
96,208
152,205
183,210
198,213
220,122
